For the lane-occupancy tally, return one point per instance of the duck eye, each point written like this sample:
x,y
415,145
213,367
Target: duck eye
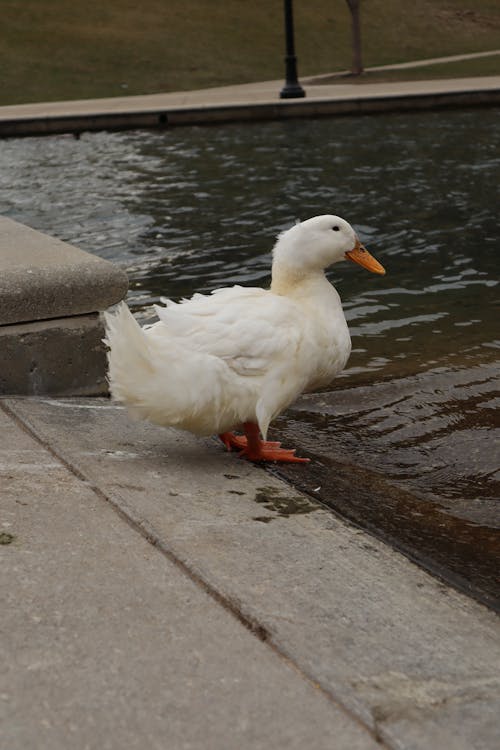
x,y
336,228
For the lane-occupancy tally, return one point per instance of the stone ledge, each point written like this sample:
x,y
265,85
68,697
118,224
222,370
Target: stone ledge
x,y
51,294
54,357
43,278
167,110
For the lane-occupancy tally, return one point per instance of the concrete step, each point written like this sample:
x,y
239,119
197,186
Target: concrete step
x,y
415,662
51,294
109,645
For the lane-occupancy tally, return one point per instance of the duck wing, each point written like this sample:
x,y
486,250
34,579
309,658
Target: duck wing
x,y
253,330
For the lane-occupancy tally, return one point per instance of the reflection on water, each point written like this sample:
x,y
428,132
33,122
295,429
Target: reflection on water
x,y
196,208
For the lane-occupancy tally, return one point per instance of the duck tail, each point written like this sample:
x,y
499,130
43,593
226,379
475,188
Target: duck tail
x,y
129,358
159,380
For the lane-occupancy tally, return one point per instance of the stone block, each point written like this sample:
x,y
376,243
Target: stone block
x,y
42,277
64,356
51,294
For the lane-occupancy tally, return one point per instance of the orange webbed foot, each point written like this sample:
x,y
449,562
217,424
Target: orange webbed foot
x,y
253,448
240,442
265,453
231,441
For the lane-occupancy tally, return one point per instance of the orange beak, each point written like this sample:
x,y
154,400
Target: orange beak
x,y
360,254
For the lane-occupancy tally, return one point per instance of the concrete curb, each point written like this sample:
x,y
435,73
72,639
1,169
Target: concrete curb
x,y
245,103
64,356
50,297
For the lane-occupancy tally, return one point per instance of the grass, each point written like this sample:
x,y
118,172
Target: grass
x,y
52,49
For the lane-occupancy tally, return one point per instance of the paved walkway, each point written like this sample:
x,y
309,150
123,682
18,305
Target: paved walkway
x,y
161,593
246,102
436,61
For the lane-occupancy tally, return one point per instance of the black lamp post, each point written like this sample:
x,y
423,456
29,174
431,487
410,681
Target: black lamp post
x,y
292,88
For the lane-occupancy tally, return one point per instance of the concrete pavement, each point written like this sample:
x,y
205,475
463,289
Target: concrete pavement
x,y
246,102
162,593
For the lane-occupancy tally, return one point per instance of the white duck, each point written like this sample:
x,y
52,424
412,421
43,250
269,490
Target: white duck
x,y
240,356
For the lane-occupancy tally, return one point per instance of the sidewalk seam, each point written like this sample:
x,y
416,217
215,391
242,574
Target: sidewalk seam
x,y
230,605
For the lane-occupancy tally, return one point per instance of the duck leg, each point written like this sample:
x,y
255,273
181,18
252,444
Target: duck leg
x,y
254,449
239,442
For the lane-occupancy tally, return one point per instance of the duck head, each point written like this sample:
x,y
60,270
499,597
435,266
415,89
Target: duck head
x,y
318,243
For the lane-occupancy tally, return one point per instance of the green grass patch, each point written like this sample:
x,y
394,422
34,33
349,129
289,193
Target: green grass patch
x,y
52,49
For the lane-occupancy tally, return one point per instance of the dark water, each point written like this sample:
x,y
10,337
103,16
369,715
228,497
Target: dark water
x,y
417,407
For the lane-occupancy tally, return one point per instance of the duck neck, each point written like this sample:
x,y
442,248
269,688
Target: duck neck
x,y
290,281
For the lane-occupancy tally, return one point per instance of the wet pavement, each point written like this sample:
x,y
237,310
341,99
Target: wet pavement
x,y
414,460
463,553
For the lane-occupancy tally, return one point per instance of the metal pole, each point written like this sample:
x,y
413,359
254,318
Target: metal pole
x,y
292,88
